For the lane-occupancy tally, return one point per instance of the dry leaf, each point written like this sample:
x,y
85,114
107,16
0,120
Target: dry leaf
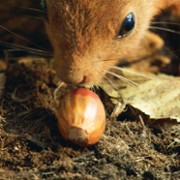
x,y
158,97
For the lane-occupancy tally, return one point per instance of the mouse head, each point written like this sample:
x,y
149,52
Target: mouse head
x,y
89,37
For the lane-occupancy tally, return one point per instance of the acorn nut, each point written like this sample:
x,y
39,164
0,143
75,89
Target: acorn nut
x,y
81,117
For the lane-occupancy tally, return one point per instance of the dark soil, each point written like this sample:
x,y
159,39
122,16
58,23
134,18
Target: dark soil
x,y
32,148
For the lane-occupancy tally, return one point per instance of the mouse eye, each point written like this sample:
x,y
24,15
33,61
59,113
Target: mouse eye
x,y
127,26
44,8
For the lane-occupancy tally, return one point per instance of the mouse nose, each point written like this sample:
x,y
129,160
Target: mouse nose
x,y
72,74
75,79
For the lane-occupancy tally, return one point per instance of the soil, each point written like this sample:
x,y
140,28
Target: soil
x,y
32,148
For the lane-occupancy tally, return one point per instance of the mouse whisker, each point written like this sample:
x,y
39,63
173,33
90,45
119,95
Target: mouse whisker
x,y
32,12
15,48
111,82
19,36
165,29
171,53
104,60
128,61
166,23
32,9
121,78
130,72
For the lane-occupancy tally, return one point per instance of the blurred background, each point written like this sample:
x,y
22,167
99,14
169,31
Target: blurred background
x,y
21,25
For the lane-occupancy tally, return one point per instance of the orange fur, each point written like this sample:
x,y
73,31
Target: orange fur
x,y
83,35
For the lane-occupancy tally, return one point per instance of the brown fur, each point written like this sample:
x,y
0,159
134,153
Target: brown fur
x,y
83,35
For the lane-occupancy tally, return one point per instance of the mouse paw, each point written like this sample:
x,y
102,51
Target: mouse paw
x,y
150,53
151,44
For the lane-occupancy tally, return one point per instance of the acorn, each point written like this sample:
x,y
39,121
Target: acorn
x,y
81,117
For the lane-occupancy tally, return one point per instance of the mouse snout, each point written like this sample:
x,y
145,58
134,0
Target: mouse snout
x,y
73,76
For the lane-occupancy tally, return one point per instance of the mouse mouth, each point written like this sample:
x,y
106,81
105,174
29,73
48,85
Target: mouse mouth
x,y
85,81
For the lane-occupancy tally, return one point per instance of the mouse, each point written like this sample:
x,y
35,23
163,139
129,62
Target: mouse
x,y
90,37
